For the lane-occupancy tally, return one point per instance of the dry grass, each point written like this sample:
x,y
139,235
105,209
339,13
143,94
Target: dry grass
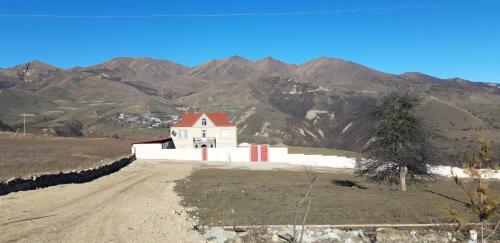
x,y
31,155
322,151
245,197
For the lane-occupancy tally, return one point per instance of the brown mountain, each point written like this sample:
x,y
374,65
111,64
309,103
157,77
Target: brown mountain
x,y
323,102
233,69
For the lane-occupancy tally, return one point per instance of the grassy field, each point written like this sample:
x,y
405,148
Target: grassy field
x,y
246,197
322,151
23,156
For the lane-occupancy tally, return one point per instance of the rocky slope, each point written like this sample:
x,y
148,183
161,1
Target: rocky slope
x,y
323,102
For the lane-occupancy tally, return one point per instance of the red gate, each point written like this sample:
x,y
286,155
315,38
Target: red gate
x,y
254,153
204,154
264,153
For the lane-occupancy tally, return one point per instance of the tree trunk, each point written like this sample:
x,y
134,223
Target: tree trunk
x,y
402,177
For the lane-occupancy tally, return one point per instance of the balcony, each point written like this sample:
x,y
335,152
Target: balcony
x,y
204,140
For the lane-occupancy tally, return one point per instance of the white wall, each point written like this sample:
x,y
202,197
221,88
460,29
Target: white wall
x,y
239,154
446,171
154,151
236,154
321,161
226,154
276,154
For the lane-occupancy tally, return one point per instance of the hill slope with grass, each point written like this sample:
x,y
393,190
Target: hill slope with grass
x,y
325,102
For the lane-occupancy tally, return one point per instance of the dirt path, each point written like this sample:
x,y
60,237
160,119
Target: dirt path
x,y
137,203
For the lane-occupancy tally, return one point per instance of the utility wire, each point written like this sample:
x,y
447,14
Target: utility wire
x,y
299,13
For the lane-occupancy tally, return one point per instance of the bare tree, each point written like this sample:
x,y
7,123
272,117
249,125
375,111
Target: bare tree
x,y
484,205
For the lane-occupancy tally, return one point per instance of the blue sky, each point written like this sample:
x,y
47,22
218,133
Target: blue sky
x,y
443,38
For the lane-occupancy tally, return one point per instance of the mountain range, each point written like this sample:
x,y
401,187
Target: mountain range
x,y
324,102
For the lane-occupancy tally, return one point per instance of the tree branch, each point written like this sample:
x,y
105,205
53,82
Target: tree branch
x,y
494,230
311,180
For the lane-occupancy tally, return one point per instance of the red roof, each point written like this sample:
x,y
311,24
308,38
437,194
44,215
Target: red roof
x,y
188,119
153,140
219,119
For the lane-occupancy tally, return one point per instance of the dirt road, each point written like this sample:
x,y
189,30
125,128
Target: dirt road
x,y
136,204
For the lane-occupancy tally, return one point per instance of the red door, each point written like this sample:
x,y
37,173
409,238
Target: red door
x,y
254,153
264,152
204,153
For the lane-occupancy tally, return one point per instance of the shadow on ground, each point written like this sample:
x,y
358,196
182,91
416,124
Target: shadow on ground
x,y
448,197
348,183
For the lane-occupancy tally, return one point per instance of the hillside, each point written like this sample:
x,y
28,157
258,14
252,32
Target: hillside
x,y
324,102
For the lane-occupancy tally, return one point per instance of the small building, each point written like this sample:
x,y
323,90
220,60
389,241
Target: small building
x,y
199,130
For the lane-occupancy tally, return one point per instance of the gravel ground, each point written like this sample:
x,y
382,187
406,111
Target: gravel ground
x,y
136,204
269,166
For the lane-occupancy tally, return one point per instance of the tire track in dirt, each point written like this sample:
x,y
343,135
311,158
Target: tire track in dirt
x,y
135,204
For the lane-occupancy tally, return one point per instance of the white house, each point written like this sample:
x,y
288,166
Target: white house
x,y
198,130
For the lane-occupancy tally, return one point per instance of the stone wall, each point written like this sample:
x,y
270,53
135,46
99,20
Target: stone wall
x,y
46,180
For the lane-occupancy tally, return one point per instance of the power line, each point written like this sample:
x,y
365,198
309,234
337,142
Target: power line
x,y
297,13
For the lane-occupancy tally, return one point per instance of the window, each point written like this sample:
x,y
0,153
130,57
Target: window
x,y
183,133
224,133
203,122
203,133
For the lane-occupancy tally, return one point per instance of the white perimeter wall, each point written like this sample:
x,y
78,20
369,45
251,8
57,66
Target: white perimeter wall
x,y
154,151
276,154
236,154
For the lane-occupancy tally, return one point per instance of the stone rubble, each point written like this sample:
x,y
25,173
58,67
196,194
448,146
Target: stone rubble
x,y
319,235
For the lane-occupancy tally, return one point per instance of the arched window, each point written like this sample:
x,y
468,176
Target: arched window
x,y
203,122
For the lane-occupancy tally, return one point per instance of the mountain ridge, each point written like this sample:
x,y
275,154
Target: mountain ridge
x,y
322,102
229,58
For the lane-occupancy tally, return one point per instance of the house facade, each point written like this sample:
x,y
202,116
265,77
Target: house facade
x,y
198,130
